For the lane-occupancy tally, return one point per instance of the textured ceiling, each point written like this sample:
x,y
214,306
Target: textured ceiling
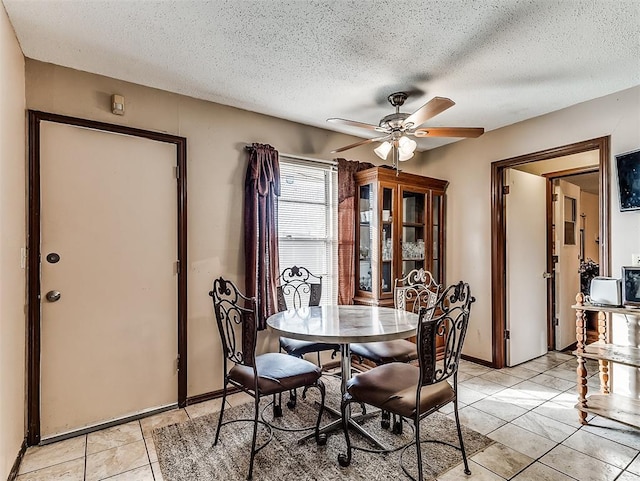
x,y
500,61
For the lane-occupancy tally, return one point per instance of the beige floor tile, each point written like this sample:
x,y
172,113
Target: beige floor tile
x,y
522,440
239,398
540,472
531,389
544,426
614,431
482,386
554,382
601,448
559,412
578,465
499,408
151,449
204,408
116,460
448,408
469,396
563,372
520,372
478,420
161,420
157,474
635,466
473,369
502,460
38,457
628,476
67,471
478,473
143,473
113,437
502,378
519,398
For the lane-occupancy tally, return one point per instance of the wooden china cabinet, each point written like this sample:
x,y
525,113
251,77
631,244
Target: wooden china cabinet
x,y
399,227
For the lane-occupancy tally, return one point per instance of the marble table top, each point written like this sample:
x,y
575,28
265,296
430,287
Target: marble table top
x,y
344,324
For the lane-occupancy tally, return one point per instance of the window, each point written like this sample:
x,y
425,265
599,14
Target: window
x,y
308,221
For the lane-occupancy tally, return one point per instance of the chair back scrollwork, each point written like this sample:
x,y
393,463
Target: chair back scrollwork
x,y
233,309
450,324
411,292
298,288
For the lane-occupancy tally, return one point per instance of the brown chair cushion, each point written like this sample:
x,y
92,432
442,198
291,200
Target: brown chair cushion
x,y
276,373
392,387
399,350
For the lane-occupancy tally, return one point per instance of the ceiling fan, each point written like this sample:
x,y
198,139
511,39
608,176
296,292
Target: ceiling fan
x,y
399,126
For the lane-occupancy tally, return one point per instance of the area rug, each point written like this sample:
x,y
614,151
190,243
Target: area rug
x,y
186,451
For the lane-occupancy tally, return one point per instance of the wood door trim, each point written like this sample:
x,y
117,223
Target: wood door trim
x,y
498,228
33,257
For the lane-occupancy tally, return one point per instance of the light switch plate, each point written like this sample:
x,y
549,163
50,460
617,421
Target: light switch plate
x,y
635,260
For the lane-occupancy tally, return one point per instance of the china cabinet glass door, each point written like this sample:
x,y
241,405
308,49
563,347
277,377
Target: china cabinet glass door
x,y
387,240
414,219
365,237
437,239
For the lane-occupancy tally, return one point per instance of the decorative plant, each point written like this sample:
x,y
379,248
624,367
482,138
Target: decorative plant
x,y
588,270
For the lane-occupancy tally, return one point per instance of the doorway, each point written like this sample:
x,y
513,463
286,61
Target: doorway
x,y
500,306
107,237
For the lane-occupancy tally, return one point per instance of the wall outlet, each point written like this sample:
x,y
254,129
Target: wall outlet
x,y
635,260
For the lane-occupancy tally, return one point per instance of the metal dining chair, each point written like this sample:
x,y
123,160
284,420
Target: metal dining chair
x,y
415,392
257,375
411,293
298,288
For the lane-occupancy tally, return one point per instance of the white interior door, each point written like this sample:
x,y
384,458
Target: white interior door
x,y
526,252
567,239
109,247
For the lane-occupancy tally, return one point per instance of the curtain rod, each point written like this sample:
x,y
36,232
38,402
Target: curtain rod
x,y
301,157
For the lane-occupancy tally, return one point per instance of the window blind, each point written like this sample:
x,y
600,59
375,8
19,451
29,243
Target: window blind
x,y
308,221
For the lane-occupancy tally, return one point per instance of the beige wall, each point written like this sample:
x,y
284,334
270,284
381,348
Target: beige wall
x,y
589,207
216,136
12,226
467,165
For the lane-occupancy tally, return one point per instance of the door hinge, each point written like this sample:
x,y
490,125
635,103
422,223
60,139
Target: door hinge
x,y
177,267
507,334
554,197
177,171
178,363
556,321
505,189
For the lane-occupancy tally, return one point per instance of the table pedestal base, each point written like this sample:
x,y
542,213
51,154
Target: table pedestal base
x,y
352,421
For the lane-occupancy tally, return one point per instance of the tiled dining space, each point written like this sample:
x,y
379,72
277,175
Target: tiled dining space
x,y
528,410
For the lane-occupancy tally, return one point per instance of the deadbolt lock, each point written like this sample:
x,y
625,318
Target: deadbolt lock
x,y
53,296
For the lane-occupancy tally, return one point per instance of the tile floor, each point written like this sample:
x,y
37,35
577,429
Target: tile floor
x,y
528,410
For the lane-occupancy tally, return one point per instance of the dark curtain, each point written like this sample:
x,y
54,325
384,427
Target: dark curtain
x,y
346,227
261,188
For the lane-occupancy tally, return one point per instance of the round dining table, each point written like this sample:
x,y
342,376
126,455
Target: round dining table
x,y
344,325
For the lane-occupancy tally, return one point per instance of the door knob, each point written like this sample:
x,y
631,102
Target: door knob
x,y
53,296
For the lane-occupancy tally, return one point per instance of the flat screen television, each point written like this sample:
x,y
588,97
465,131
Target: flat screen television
x,y
629,180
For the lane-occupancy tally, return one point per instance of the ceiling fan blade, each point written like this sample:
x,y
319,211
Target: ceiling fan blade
x,y
449,132
362,142
353,123
432,108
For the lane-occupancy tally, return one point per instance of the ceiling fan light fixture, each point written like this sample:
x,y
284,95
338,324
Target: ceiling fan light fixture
x,y
383,150
406,148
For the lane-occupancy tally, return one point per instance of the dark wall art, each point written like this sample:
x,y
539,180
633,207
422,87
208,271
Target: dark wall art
x,y
629,180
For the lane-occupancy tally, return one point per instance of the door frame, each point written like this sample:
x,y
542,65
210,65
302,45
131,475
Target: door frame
x,y
498,228
34,255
